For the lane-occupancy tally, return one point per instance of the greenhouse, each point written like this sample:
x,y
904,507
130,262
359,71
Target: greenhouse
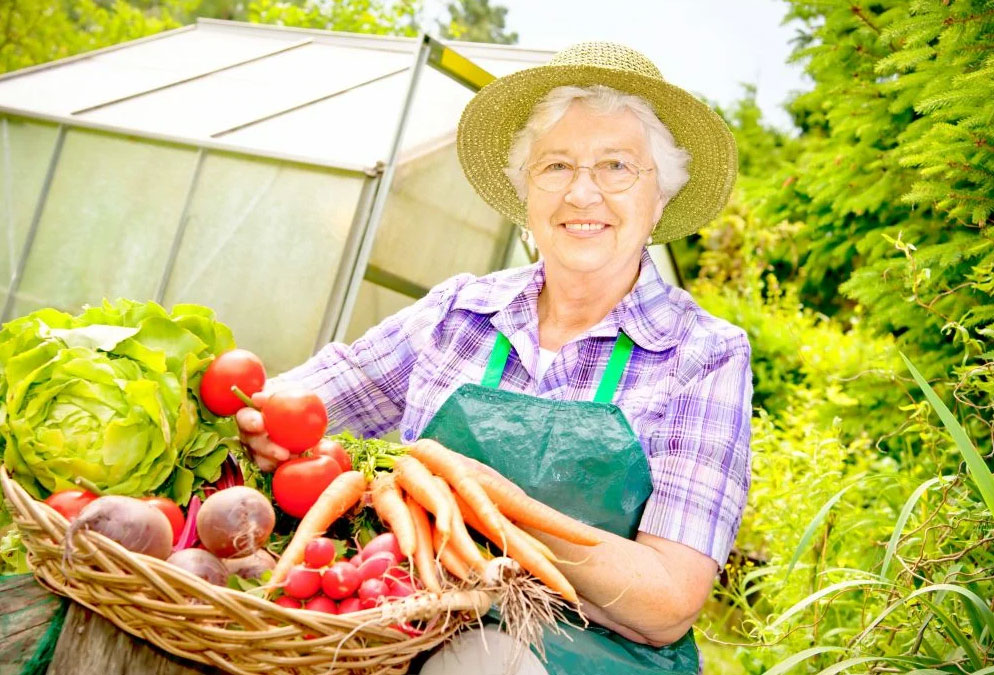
x,y
302,183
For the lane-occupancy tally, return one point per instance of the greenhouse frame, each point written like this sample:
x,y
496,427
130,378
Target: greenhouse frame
x,y
302,183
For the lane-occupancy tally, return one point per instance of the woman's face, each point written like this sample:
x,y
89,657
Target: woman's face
x,y
581,228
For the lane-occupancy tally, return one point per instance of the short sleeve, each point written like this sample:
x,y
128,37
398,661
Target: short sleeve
x,y
699,456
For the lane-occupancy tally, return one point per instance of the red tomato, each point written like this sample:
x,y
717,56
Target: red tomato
x,y
70,502
302,583
329,448
340,580
295,419
238,367
319,552
171,511
299,482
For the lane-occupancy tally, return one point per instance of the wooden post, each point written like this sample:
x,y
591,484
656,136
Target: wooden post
x,y
91,645
26,609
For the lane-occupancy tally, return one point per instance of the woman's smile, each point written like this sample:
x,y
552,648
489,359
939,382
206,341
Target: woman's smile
x,y
584,228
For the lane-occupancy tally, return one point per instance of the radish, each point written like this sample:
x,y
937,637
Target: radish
x,y
288,602
399,589
235,522
201,563
373,589
382,542
375,565
349,605
302,583
319,552
132,523
340,580
321,603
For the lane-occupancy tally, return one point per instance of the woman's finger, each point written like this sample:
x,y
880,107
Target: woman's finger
x,y
249,420
261,445
264,463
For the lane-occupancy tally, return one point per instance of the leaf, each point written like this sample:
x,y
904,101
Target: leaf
x,y
957,635
902,519
986,614
982,476
97,336
788,663
828,590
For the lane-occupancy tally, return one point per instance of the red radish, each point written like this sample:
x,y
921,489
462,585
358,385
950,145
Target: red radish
x,y
399,589
349,605
340,580
408,629
319,552
373,589
356,560
235,522
201,563
302,583
374,566
288,602
383,542
368,603
132,523
321,603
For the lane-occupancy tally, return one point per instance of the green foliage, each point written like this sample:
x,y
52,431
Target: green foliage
x,y
477,21
35,31
379,17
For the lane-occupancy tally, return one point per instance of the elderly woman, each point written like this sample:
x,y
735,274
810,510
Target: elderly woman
x,y
585,378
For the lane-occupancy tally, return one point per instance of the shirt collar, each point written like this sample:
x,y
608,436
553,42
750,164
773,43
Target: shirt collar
x,y
649,314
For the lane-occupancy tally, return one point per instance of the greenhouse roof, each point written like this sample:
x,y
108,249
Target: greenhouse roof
x,y
320,97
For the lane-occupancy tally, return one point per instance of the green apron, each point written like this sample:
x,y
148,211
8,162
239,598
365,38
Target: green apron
x,y
580,457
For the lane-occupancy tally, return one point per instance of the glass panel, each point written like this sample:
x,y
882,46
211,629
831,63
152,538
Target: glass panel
x,y
108,222
433,211
248,92
64,88
25,152
262,245
373,304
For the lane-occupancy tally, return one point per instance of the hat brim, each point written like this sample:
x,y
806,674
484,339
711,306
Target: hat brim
x,y
491,119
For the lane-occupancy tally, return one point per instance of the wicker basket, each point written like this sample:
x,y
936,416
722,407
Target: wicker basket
x,y
235,631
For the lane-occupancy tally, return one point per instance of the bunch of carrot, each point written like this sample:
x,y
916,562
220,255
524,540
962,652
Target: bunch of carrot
x,y
428,501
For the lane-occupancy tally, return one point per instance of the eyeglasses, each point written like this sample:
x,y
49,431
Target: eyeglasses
x,y
610,175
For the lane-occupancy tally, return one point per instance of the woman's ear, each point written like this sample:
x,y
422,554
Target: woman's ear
x,y
657,212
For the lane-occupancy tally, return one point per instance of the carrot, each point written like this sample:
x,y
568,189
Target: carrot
x,y
417,481
451,466
535,559
424,557
340,495
388,502
475,523
519,507
450,558
463,544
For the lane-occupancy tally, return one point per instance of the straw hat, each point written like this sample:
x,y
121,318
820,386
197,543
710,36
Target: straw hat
x,y
501,108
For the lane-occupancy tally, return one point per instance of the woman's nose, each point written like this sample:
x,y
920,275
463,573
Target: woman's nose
x,y
583,191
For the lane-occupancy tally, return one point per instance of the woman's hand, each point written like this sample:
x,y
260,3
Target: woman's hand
x,y
265,453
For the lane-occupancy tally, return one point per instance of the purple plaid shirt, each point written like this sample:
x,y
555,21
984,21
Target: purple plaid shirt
x,y
686,392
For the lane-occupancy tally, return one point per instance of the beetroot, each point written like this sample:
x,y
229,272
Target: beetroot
x,y
201,563
235,522
132,523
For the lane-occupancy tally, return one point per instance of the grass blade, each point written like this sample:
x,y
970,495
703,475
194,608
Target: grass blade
x,y
828,590
902,520
982,476
797,658
985,613
842,666
957,635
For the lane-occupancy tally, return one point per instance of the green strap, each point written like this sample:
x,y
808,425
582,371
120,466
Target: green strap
x,y
616,365
615,368
498,359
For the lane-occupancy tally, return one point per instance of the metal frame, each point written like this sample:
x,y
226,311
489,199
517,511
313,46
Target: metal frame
x,y
184,219
15,279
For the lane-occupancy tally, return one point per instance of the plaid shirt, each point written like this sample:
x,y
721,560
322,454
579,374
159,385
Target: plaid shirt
x,y
686,391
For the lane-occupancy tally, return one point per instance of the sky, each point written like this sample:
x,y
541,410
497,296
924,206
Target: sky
x,y
709,47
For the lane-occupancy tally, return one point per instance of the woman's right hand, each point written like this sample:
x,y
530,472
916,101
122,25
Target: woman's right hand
x,y
265,453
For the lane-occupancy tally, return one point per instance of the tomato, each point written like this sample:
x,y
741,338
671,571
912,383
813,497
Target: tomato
x,y
240,368
295,419
299,482
329,448
171,511
319,552
70,502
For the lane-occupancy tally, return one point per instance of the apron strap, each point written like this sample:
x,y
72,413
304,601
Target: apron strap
x,y
615,368
608,386
498,359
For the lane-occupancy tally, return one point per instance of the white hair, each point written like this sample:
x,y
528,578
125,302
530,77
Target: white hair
x,y
669,159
